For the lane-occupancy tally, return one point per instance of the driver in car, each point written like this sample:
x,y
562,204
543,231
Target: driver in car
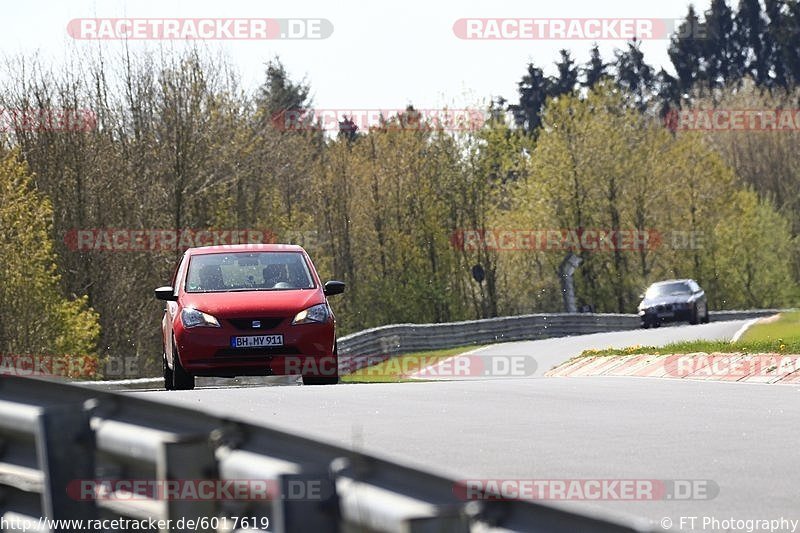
x,y
274,275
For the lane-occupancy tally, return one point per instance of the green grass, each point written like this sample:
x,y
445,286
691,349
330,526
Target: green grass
x,y
393,369
780,336
786,328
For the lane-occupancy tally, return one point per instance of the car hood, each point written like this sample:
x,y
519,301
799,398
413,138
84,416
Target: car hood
x,y
667,299
253,303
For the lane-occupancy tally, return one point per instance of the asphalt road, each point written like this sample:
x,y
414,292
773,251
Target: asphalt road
x,y
551,352
741,437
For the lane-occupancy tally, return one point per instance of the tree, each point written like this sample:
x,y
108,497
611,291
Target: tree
x,y
279,94
719,46
686,52
754,54
36,318
533,91
348,129
595,69
567,78
753,272
634,75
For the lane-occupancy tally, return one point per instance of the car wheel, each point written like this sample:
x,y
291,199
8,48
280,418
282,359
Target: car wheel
x,y
705,317
645,324
169,382
181,379
325,380
316,380
695,319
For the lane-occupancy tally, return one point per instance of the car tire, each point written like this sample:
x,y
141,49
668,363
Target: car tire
x,y
181,379
317,380
705,317
169,379
325,380
695,318
645,324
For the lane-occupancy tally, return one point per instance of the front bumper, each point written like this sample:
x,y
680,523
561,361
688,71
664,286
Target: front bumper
x,y
653,315
308,349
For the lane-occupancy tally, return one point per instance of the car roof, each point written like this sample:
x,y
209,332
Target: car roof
x,y
672,281
233,248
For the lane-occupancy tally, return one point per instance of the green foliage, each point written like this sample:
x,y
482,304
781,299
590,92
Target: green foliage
x,y
600,165
181,146
36,318
753,248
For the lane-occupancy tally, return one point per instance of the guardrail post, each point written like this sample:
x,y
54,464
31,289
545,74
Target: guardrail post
x,y
65,451
188,462
307,502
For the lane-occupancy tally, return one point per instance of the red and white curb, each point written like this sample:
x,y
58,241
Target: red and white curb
x,y
760,368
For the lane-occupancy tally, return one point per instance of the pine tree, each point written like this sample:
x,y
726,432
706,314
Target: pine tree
x,y
791,39
686,52
348,129
595,69
778,41
754,57
279,95
719,48
533,91
567,78
634,75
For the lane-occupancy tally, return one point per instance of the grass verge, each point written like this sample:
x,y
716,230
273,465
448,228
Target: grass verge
x,y
779,336
395,369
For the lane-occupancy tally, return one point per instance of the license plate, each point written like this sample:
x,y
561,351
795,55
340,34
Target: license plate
x,y
666,315
256,341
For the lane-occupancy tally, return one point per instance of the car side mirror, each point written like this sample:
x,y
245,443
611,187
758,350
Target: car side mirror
x,y
333,287
166,293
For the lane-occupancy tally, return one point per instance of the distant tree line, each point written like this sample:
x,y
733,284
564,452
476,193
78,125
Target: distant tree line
x,y
179,143
720,50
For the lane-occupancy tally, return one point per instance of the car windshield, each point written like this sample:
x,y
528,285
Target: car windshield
x,y
248,271
668,289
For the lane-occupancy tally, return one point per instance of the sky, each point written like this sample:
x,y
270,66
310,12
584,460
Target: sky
x,y
380,55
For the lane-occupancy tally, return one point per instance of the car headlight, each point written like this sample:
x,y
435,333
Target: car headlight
x,y
313,315
192,318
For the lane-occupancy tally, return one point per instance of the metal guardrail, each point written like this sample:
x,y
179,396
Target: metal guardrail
x,y
53,435
408,338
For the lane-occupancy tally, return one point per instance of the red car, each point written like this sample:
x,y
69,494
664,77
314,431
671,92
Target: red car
x,y
247,310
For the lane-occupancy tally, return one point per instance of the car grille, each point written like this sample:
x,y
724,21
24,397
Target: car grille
x,y
246,324
256,352
667,307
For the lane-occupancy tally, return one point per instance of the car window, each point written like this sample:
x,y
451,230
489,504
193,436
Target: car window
x,y
668,289
178,272
248,271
